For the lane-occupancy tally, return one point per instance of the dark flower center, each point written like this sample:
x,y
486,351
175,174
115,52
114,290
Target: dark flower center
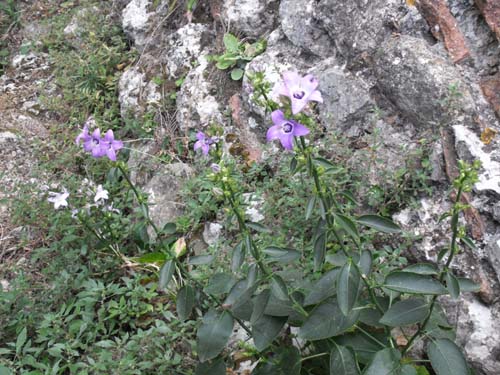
x,y
299,95
287,127
96,141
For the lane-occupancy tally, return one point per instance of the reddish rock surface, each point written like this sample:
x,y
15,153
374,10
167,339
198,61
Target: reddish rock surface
x,y
491,13
491,90
444,26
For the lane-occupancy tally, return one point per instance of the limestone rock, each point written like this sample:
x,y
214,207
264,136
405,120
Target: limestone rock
x,y
197,104
422,84
303,30
136,94
254,18
135,19
163,190
184,47
346,99
493,253
359,26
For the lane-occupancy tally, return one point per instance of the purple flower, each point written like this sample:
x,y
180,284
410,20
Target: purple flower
x,y
84,136
203,142
94,144
285,130
215,167
300,90
110,146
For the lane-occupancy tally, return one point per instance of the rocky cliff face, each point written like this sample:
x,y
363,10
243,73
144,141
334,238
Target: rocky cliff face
x,y
431,67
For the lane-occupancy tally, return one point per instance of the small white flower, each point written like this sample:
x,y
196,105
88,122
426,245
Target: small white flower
x,y
59,199
74,213
101,194
110,208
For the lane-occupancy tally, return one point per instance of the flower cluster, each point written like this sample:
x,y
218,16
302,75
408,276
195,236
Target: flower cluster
x,y
99,146
204,142
300,90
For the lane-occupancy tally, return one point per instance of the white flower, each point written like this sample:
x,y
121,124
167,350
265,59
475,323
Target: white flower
x,y
101,194
59,199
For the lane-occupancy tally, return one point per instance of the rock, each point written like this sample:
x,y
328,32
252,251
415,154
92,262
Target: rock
x,y
197,105
359,26
444,26
422,84
254,204
163,190
478,332
493,253
136,95
184,47
346,99
437,162
211,233
490,86
469,146
6,137
253,18
302,29
135,19
491,13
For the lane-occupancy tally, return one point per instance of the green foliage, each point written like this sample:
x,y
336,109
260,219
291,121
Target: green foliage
x,y
9,20
237,54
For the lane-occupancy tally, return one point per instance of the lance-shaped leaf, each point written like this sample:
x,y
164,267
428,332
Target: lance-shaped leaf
x,y
446,358
452,284
467,285
413,283
185,302
281,255
385,362
342,361
217,367
406,312
265,330
324,288
213,334
220,283
347,225
326,321
348,287
422,269
259,305
279,289
166,273
379,223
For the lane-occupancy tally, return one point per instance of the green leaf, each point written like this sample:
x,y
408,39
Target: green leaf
x,y
408,370
310,207
237,257
379,223
385,362
371,316
438,325
348,225
185,302
467,285
442,253
21,340
453,285
348,287
342,361
260,304
422,269
237,74
5,371
322,162
231,43
319,250
223,62
258,227
365,262
365,347
413,283
446,358
265,330
199,260
468,241
155,257
281,255
326,321
240,293
213,334
323,288
406,312
217,367
278,288
169,228
220,283
166,273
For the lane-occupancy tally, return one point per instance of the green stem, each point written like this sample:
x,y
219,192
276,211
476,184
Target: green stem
x,y
314,356
442,274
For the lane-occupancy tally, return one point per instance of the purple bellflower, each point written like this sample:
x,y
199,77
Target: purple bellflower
x,y
203,142
110,146
300,90
285,130
84,136
93,144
